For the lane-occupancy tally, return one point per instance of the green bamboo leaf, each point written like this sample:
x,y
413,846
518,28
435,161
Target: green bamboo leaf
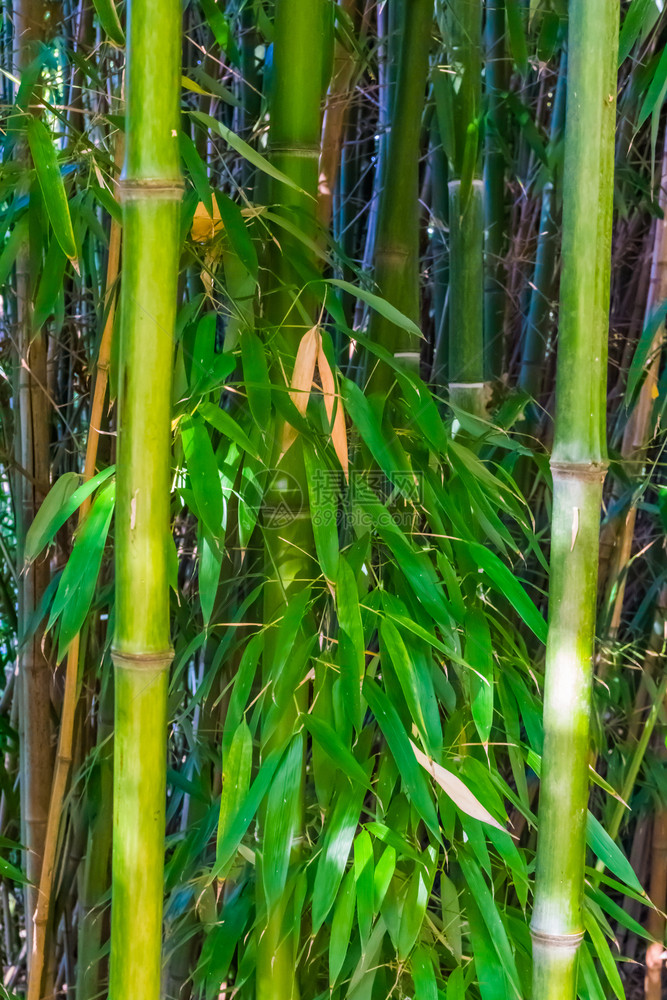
x,y
243,681
282,821
50,517
423,974
451,916
341,927
507,584
603,953
456,984
109,21
379,304
17,239
197,170
219,25
11,872
256,377
606,850
416,901
517,34
210,565
51,182
203,472
323,494
338,838
236,770
491,917
618,913
351,655
592,987
77,584
50,286
412,775
332,744
415,684
634,24
364,878
655,95
384,872
246,151
479,654
223,422
493,985
238,825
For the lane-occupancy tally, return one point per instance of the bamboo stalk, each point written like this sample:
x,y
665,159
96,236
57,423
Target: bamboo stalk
x,y
467,369
497,67
151,188
35,729
578,465
63,761
397,242
638,430
295,137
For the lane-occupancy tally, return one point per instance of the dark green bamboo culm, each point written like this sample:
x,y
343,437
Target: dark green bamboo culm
x,y
538,322
467,386
295,103
397,242
496,74
578,464
151,191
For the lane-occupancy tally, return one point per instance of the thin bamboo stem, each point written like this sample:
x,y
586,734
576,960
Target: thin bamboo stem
x,y
63,761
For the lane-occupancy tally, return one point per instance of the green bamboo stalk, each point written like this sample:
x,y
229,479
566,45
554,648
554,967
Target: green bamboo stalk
x,y
578,465
295,133
544,280
151,190
397,241
497,71
467,387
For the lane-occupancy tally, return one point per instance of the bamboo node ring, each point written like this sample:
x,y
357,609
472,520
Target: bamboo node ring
x,y
588,471
143,661
571,941
136,188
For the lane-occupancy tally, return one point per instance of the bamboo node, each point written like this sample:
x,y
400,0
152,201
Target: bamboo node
x,y
588,471
137,188
143,661
565,941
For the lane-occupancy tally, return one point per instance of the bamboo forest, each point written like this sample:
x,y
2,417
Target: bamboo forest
x,y
333,506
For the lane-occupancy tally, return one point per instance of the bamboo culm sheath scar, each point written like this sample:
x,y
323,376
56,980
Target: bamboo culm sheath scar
x,y
578,465
151,192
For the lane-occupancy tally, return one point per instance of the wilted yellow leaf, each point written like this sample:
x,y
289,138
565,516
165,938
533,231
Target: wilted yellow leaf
x,y
204,225
331,399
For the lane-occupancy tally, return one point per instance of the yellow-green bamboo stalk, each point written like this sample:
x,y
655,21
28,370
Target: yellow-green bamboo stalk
x,y
578,465
151,191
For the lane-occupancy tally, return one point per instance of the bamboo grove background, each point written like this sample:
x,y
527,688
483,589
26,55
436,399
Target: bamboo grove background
x,y
367,254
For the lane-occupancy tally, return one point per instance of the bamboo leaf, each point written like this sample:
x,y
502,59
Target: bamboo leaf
x,y
246,151
338,838
109,21
603,953
458,792
77,584
423,975
379,304
256,377
50,181
351,656
606,850
236,770
323,494
402,752
506,584
203,472
517,35
225,423
341,927
332,744
282,818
